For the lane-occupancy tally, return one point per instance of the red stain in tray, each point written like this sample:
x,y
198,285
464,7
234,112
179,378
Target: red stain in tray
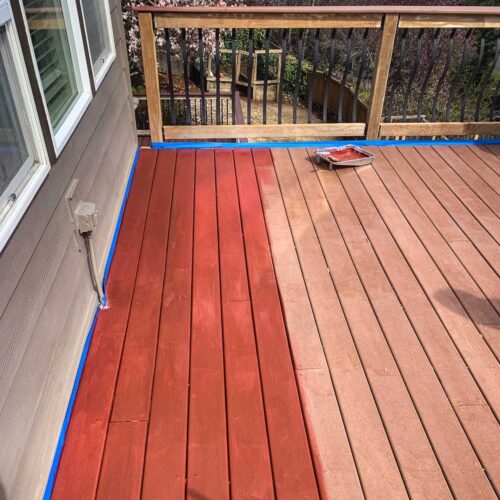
x,y
347,154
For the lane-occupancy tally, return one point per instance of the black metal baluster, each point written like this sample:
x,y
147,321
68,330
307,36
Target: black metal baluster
x,y
168,51
493,101
249,76
397,77
201,55
217,76
459,76
413,73
195,112
360,76
471,81
282,73
266,77
233,74
186,75
298,74
227,112
347,69
331,64
432,62
443,74
486,79
312,89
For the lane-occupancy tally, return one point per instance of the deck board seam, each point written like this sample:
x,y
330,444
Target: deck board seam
x,y
369,383
159,318
470,190
115,382
252,313
451,213
465,271
418,280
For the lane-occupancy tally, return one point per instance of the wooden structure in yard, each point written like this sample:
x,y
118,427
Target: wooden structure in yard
x,y
388,21
242,78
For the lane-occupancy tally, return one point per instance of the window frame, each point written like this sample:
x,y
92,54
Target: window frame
x,y
75,38
28,180
103,70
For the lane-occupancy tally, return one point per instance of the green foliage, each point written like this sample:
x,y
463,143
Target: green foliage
x,y
291,67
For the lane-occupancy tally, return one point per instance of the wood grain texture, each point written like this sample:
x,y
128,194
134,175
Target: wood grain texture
x,y
165,465
379,84
266,20
150,63
133,390
249,458
283,410
333,274
253,131
207,462
439,128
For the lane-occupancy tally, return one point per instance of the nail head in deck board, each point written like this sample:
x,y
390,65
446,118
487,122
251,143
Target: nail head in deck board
x,y
165,463
133,389
207,467
78,471
291,459
249,458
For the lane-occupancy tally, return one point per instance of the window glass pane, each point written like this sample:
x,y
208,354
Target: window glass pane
x,y
96,22
52,49
14,150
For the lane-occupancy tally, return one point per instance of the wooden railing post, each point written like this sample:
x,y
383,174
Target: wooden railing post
x,y
382,66
150,64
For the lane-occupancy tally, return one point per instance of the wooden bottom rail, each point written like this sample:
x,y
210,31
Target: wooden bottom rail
x,y
439,128
254,131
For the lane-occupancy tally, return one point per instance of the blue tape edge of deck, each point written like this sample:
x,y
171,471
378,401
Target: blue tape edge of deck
x,y
64,429
317,144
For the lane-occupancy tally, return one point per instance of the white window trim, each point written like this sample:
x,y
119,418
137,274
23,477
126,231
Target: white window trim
x,y
103,70
75,114
39,171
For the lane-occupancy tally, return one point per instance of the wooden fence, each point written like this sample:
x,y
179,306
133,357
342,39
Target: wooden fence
x,y
392,27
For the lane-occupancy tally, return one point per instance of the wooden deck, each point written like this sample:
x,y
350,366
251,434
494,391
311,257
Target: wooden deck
x,y
277,329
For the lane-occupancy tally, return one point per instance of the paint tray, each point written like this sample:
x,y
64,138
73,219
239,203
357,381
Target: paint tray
x,y
345,156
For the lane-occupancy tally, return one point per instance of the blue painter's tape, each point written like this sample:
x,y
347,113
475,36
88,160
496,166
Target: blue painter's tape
x,y
317,144
119,221
62,435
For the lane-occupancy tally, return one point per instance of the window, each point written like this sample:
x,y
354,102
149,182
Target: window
x,y
23,164
58,51
100,36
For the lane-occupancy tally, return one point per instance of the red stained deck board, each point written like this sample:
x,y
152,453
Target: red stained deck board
x,y
165,464
251,474
207,467
133,390
121,473
290,453
82,454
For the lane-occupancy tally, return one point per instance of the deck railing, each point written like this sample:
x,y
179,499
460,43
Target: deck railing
x,y
453,89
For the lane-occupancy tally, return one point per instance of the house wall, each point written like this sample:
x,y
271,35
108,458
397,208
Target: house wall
x,y
46,298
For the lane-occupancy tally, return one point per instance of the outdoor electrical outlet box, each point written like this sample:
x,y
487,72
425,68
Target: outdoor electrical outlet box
x,y
86,217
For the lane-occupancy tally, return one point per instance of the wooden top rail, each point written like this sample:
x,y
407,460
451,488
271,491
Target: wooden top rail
x,y
321,17
421,10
